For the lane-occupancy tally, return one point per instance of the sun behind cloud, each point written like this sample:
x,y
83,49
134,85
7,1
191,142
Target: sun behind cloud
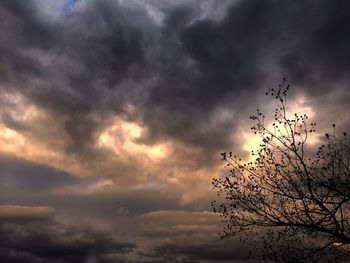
x,y
300,105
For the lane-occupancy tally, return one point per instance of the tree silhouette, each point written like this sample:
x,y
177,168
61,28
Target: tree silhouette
x,y
296,204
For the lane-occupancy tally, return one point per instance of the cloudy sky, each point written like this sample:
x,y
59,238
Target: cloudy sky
x,y
113,114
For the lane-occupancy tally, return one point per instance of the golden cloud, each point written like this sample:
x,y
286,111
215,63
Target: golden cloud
x,y
25,213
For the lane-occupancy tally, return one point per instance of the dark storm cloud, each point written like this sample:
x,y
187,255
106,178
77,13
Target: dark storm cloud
x,y
304,37
320,52
100,40
98,59
180,104
191,237
72,68
54,242
199,248
20,27
34,236
219,63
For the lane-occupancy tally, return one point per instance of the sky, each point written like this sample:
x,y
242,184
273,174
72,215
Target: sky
x,y
113,114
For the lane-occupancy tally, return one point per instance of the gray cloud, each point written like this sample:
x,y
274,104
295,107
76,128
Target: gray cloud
x,y
19,176
42,241
23,226
192,237
28,183
74,69
230,63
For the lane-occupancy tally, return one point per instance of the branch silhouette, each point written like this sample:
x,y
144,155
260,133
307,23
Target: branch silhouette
x,y
294,203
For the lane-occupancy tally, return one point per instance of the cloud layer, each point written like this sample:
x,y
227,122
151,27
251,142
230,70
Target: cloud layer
x,y
112,112
32,236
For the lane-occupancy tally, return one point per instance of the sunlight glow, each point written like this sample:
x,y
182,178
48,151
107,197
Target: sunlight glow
x,y
19,109
21,143
300,106
122,137
10,140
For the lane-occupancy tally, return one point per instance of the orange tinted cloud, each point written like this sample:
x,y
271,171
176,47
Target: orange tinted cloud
x,y
25,213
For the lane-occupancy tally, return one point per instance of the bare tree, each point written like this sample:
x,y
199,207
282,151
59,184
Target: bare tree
x,y
295,203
